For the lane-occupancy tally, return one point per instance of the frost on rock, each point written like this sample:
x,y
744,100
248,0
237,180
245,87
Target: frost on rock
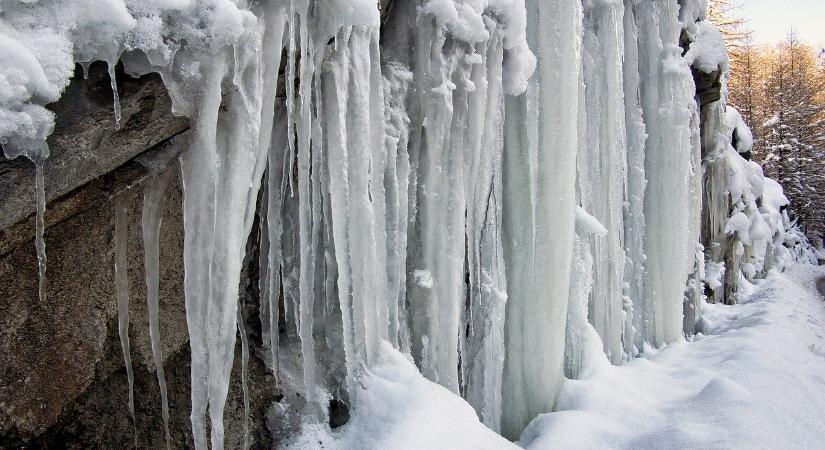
x,y
507,192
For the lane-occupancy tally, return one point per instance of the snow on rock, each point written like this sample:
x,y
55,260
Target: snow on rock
x,y
708,52
739,132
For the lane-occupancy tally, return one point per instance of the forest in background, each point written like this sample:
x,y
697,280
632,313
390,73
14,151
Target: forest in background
x,y
779,89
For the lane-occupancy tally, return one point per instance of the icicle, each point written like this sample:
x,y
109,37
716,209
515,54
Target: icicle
x,y
115,95
275,198
39,241
263,268
352,105
244,374
290,93
121,238
153,199
272,132
307,211
222,172
85,66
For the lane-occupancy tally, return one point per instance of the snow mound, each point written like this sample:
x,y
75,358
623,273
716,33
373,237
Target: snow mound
x,y
400,409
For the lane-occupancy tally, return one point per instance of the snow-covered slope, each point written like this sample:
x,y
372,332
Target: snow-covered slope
x,y
754,379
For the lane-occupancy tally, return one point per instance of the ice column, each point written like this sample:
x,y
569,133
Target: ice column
x,y
396,183
538,216
436,256
602,166
668,105
484,354
634,218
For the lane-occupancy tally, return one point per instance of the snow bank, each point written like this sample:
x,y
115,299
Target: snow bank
x,y
400,409
753,380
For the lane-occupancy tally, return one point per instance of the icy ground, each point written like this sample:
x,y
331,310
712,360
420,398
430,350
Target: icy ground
x,y
755,379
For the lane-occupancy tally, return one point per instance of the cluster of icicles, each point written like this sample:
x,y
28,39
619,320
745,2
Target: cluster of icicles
x,y
417,188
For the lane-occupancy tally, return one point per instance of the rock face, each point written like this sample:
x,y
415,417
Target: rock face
x,y
62,378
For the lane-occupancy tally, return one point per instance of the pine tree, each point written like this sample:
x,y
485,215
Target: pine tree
x,y
792,133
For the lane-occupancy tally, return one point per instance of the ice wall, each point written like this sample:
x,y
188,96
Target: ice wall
x,y
507,191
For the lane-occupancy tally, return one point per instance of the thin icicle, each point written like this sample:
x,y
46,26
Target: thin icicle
x,y
153,199
122,291
263,269
244,374
115,95
39,240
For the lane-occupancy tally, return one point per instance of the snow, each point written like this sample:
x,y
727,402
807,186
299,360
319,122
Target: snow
x,y
739,129
708,52
400,409
589,224
754,379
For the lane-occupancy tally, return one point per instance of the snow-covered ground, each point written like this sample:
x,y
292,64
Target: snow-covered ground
x,y
754,379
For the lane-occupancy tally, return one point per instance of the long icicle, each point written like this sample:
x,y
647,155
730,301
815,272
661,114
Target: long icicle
x,y
244,374
122,292
153,199
275,198
306,281
39,241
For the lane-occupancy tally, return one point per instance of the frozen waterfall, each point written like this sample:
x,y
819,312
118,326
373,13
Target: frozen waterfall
x,y
503,190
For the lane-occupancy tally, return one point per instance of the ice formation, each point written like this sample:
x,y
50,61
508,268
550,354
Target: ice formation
x,y
153,200
122,291
503,190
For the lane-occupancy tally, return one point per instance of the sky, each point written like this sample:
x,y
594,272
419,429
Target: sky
x,y
771,19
